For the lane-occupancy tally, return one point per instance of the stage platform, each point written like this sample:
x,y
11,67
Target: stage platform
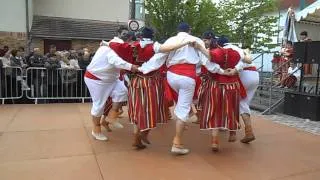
x,y
53,142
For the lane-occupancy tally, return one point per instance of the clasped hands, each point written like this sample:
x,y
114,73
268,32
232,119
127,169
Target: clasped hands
x,y
230,72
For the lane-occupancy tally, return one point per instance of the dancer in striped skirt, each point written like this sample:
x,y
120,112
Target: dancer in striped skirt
x,y
146,94
220,101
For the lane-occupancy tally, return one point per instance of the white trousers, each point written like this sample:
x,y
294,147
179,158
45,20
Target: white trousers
x,y
250,80
100,91
185,88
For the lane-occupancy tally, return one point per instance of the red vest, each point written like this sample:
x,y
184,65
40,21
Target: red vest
x,y
227,58
141,55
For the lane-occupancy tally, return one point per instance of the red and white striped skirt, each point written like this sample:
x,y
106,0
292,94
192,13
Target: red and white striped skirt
x,y
219,105
146,101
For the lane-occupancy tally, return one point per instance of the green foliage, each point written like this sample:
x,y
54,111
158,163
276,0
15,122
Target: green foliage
x,y
243,21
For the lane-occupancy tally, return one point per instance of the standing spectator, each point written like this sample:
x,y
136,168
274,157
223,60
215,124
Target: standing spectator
x,y
52,51
38,75
52,64
69,74
84,61
14,75
4,51
305,38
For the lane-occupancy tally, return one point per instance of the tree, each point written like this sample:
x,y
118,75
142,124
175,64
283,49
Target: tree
x,y
243,21
249,23
165,15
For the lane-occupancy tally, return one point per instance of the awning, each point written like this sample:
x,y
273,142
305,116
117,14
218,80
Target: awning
x,y
310,14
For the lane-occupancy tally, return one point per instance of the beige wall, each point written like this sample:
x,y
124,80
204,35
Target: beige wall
x,y
13,16
104,10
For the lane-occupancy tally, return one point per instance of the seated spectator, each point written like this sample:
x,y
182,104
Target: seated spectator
x,y
4,51
292,77
287,54
304,37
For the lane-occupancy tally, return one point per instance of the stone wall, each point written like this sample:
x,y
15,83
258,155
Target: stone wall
x,y
13,39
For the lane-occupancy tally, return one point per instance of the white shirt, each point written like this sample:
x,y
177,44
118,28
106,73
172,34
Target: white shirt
x,y
186,54
295,72
106,64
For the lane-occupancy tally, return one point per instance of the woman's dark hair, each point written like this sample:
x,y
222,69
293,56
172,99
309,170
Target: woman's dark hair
x,y
304,33
122,28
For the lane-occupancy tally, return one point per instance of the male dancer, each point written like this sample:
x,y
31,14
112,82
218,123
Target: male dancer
x,y
101,79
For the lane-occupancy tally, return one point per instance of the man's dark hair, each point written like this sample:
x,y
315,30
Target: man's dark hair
x,y
5,47
122,28
14,52
183,27
21,49
304,33
52,46
289,42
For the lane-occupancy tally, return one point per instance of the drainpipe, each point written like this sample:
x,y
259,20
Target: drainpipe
x,y
27,27
133,9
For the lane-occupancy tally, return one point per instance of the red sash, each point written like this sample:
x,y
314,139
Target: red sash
x,y
243,91
87,74
188,70
250,68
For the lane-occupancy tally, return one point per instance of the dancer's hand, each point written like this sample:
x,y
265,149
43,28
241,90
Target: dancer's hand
x,y
192,43
231,72
134,68
104,43
196,45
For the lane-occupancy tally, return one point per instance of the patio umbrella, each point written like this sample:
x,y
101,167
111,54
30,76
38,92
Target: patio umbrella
x,y
289,28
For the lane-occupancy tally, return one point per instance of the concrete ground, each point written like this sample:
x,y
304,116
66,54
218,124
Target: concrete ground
x,y
53,142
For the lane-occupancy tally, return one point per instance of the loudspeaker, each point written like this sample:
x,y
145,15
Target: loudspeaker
x,y
309,107
290,107
313,52
299,52
302,105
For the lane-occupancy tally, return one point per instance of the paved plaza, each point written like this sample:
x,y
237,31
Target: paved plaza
x,y
53,142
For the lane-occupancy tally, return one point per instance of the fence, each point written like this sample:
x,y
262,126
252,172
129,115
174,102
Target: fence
x,y
44,84
11,83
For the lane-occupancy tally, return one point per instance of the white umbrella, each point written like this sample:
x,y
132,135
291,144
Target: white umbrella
x,y
289,28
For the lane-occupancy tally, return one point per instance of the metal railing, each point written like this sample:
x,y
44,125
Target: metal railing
x,y
11,83
50,84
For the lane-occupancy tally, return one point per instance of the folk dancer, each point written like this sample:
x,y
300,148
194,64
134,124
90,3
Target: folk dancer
x,y
181,77
102,81
146,98
249,77
220,102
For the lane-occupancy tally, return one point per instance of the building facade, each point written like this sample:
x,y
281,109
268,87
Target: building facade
x,y
67,24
